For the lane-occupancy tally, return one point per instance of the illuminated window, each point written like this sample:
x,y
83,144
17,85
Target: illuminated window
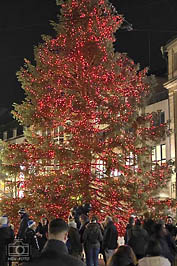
x,y
100,168
159,154
58,135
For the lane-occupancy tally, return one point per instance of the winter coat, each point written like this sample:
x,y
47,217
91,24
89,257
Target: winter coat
x,y
138,239
32,240
6,237
92,236
128,227
42,230
55,253
171,244
23,226
81,231
154,261
74,241
171,229
164,247
110,236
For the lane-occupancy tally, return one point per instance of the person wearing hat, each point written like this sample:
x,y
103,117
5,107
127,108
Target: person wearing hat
x,y
5,239
23,223
55,251
32,239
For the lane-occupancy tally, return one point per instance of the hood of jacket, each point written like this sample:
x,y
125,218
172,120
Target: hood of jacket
x,y
154,261
93,227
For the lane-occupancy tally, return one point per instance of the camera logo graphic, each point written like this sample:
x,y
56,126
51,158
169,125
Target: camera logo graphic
x,y
18,251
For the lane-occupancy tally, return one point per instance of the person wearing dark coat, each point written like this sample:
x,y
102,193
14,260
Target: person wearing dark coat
x,y
55,251
32,239
138,239
6,237
41,232
23,223
92,237
110,237
84,220
154,255
74,244
166,242
129,226
171,227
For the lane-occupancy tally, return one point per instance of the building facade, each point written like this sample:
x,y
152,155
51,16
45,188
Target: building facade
x,y
171,86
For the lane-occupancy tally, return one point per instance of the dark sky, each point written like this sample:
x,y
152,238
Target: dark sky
x,y
23,21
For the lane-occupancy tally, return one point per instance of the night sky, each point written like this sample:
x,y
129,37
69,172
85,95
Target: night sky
x,y
22,22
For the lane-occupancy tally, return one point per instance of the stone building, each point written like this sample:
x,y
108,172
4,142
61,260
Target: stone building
x,y
171,85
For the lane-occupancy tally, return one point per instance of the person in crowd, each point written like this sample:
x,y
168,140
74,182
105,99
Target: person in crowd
x,y
162,235
148,223
154,255
92,237
84,220
129,226
124,256
6,237
138,238
73,243
42,231
110,237
32,239
23,223
171,227
102,251
55,251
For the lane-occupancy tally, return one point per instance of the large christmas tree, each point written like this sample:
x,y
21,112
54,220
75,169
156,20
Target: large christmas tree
x,y
87,137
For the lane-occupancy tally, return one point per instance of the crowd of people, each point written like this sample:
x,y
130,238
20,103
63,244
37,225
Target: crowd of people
x,y
80,241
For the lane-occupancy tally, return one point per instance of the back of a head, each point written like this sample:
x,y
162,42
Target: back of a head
x,y
153,248
84,218
93,219
57,226
131,220
158,230
138,222
124,256
108,218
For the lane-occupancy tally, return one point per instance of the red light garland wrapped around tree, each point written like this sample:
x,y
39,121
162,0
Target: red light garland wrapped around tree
x,y
87,138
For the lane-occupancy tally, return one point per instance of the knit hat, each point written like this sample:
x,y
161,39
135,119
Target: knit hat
x,y
22,211
72,224
31,223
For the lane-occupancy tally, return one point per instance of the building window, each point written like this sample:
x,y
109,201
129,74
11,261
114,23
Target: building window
x,y
5,135
173,187
175,62
58,135
100,168
159,154
161,119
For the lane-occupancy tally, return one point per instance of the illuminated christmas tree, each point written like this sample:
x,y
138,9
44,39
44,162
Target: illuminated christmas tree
x,y
88,138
